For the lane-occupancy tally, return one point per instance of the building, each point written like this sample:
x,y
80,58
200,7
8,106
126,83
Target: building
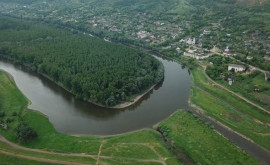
x,y
231,79
237,68
191,41
197,54
267,76
206,32
227,51
4,126
249,57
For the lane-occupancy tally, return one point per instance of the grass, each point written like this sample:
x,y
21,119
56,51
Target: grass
x,y
250,121
201,80
201,142
137,145
9,160
9,149
248,84
232,118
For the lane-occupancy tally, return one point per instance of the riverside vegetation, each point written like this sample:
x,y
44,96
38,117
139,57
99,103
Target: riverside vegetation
x,y
229,109
92,69
140,147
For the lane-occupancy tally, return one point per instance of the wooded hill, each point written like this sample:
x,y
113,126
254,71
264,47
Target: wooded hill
x,y
92,69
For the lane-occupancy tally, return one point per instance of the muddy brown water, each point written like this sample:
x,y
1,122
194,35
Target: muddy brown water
x,y
71,116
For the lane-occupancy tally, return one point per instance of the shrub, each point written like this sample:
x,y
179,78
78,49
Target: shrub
x,y
9,120
14,114
25,133
2,114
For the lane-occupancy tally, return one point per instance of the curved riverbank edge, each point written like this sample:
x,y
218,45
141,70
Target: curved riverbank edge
x,y
122,105
13,80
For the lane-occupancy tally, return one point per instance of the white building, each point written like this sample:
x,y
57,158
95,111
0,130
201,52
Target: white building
x,y
206,32
191,41
237,68
227,51
197,54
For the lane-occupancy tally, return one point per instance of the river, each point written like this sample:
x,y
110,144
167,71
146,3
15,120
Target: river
x,y
72,116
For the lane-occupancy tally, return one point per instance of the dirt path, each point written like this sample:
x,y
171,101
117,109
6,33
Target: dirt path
x,y
16,146
234,107
228,90
45,160
99,151
97,157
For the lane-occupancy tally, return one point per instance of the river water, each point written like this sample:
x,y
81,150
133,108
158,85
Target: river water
x,y
72,116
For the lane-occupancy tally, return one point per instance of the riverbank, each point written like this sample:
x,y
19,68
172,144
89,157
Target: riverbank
x,y
122,105
143,146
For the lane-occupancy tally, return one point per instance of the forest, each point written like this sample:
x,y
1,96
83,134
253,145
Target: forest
x,y
92,69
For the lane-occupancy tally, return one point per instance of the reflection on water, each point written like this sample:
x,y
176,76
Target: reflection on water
x,y
72,116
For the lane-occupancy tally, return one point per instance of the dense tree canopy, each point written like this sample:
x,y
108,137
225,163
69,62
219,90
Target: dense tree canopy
x,y
90,68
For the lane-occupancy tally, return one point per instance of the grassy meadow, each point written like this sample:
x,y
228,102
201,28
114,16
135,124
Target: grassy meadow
x,y
230,110
201,142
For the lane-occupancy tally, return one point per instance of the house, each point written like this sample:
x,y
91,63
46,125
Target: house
x,y
206,32
267,58
227,51
197,54
249,57
178,50
4,126
231,79
191,41
267,76
237,68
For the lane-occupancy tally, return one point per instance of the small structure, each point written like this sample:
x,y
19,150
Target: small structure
x,y
267,58
249,57
206,32
4,126
191,41
178,50
227,51
231,79
237,68
267,76
197,54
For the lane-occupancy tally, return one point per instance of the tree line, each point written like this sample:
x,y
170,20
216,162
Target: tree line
x,y
92,69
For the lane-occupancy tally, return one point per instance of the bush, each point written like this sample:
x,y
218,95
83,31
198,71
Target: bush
x,y
25,133
9,120
2,114
14,114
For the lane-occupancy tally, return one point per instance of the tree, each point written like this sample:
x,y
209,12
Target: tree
x,y
25,133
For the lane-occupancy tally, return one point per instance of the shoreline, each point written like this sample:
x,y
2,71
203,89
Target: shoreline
x,y
118,106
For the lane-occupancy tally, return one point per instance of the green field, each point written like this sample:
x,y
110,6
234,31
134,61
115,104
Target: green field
x,y
200,142
248,86
9,160
230,110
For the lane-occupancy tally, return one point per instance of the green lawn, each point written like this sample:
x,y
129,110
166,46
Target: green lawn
x,y
227,115
201,142
200,80
247,87
9,160
137,145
